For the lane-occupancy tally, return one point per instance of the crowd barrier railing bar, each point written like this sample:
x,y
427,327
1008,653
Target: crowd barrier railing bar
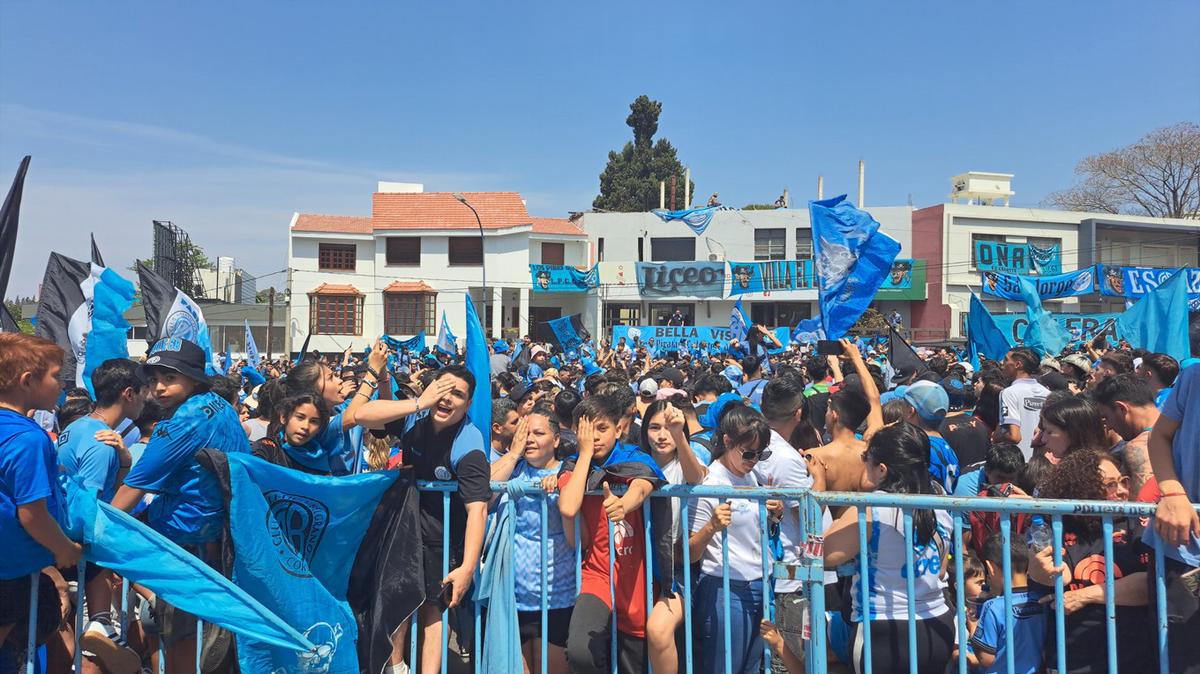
x,y
810,571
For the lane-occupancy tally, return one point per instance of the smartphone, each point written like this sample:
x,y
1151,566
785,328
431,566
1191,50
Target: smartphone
x,y
829,347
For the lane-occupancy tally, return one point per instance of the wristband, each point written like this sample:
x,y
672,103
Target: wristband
x,y
374,373
371,384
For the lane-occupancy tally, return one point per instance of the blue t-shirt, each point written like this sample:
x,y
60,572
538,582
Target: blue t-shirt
x,y
189,507
527,548
1030,622
943,463
82,456
343,447
753,390
28,469
968,483
1161,399
533,373
1185,451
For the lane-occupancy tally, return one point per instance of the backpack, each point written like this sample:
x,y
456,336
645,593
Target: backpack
x,y
986,524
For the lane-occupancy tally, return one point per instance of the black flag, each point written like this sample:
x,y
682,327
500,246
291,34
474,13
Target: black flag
x,y
903,357
9,217
303,349
62,312
7,322
96,258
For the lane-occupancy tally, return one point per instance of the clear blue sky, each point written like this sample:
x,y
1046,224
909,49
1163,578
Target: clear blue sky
x,y
227,117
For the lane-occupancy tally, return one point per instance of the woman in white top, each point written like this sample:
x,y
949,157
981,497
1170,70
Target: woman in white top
x,y
742,437
898,463
664,437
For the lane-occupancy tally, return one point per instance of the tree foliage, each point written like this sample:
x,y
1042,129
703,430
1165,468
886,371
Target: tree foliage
x,y
872,322
14,308
1159,176
630,181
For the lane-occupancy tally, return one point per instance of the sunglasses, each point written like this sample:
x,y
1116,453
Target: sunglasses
x,y
757,456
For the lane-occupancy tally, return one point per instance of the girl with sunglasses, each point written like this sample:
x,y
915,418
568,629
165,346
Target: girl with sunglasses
x,y
741,442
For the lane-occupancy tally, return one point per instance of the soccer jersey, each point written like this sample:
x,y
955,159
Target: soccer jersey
x,y
83,457
1021,405
527,548
888,564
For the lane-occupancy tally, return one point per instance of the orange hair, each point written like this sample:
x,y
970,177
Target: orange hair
x,y
21,353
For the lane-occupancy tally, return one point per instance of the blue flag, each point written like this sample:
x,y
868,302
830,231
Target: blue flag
x,y
569,332
111,296
853,259
1158,322
808,331
295,537
984,337
447,343
1044,335
414,343
117,541
252,357
739,324
697,219
227,361
479,363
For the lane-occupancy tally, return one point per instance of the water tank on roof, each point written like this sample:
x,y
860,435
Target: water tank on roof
x,y
977,187
386,187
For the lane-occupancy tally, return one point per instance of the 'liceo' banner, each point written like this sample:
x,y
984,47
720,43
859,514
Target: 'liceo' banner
x,y
668,337
757,277
689,279
1071,284
557,278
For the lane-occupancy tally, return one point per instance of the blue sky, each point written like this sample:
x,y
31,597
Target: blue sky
x,y
228,117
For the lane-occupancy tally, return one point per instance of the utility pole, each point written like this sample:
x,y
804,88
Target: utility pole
x,y
270,319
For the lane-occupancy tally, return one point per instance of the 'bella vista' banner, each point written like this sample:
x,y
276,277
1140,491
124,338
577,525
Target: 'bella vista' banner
x,y
669,337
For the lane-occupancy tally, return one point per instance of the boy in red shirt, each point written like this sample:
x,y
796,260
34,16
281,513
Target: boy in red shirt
x,y
601,461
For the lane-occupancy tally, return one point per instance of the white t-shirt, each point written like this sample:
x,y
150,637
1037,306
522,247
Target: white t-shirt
x,y
785,468
745,535
1021,405
887,564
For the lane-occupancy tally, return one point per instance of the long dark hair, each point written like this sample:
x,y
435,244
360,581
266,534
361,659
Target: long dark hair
x,y
987,408
1077,477
743,425
904,449
304,378
656,408
284,408
1080,418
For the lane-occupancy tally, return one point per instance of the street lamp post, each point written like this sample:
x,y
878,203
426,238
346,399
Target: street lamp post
x,y
482,255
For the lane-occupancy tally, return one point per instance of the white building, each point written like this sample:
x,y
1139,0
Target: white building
x,y
395,271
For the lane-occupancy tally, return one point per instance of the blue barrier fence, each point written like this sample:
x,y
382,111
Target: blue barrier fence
x,y
810,571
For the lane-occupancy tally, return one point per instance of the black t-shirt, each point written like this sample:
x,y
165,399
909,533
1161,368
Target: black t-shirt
x,y
456,453
1086,631
968,437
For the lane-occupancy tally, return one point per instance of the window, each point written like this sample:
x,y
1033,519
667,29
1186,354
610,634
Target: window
x,y
409,313
335,256
600,249
770,244
803,243
553,253
404,251
982,237
673,249
335,314
661,312
466,251
622,314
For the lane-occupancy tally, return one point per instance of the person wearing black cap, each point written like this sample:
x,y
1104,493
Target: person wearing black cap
x,y
188,508
965,432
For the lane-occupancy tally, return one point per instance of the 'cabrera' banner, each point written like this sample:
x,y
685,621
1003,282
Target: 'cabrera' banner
x,y
757,277
557,278
1133,282
1017,258
1080,326
668,337
1071,284
691,279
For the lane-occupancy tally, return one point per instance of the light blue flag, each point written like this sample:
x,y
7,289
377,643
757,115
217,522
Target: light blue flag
x,y
697,219
984,337
447,343
1158,322
739,323
479,363
853,259
114,540
808,331
111,296
497,591
295,537
252,357
1044,334
227,361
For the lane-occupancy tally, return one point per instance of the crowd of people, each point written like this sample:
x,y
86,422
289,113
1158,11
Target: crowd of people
x,y
599,427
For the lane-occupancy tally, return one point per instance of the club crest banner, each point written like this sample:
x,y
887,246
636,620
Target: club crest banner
x,y
757,277
1072,284
556,278
1133,282
900,277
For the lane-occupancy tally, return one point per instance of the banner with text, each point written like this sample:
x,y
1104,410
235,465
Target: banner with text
x,y
1071,284
557,278
688,279
1079,326
1133,282
757,277
1017,258
668,337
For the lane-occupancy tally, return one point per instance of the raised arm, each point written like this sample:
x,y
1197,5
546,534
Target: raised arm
x,y
693,471
375,414
370,382
571,498
875,416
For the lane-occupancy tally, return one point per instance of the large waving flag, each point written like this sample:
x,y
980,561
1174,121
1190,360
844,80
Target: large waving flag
x,y
569,332
1158,321
901,354
808,331
414,343
739,323
852,260
697,219
171,313
1044,334
111,296
117,541
62,312
252,357
97,258
984,337
10,217
479,363
447,343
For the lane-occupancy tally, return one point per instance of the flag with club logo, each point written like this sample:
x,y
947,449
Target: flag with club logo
x,y
739,323
447,343
808,331
852,260
252,357
569,332
171,313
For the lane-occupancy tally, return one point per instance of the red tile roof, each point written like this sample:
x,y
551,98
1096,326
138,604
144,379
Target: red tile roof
x,y
335,289
440,210
355,224
409,287
561,226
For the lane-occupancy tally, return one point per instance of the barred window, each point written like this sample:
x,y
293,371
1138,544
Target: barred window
x,y
804,247
335,314
335,256
770,244
409,313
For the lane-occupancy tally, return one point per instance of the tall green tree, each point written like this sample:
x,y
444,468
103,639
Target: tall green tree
x,y
630,181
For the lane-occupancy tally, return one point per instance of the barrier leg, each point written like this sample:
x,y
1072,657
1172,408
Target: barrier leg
x,y
1006,565
960,606
864,573
80,586
31,645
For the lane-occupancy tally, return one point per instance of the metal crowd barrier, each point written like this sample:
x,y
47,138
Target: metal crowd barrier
x,y
811,571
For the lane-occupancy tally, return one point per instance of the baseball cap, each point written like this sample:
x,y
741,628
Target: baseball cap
x,y
500,346
956,390
648,388
669,393
930,400
180,355
673,375
903,373
519,391
894,394
734,374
